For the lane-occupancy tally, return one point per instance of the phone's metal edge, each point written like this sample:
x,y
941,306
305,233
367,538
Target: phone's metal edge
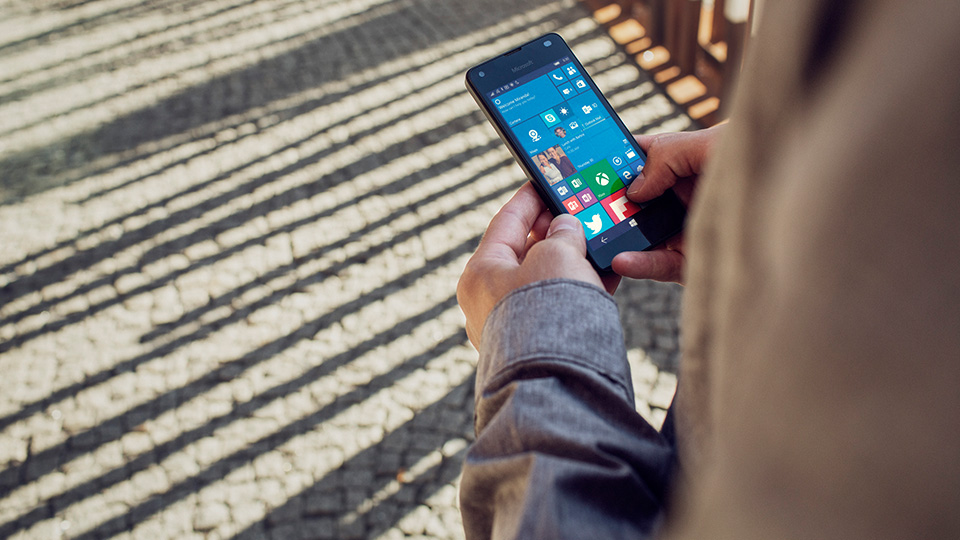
x,y
516,157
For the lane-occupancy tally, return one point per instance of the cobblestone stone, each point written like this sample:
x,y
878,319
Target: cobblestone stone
x,y
232,236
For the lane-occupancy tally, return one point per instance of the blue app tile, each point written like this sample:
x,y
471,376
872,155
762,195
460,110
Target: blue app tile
x,y
581,85
549,117
534,136
528,100
589,144
636,166
566,90
562,189
627,175
560,132
595,220
570,71
564,110
588,105
617,161
557,76
630,154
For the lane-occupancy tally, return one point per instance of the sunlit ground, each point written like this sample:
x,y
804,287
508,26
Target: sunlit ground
x,y
231,233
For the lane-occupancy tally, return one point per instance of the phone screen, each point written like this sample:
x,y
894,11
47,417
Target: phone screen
x,y
569,140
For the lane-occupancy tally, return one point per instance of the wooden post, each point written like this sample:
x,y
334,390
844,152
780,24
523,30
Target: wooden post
x,y
737,14
717,26
688,25
657,11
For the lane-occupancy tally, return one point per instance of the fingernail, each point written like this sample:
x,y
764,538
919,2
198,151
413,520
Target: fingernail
x,y
563,222
636,184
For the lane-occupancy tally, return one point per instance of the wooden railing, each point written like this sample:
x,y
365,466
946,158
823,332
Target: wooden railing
x,y
693,48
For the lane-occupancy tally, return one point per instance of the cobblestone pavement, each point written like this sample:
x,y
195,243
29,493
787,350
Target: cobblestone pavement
x,y
231,235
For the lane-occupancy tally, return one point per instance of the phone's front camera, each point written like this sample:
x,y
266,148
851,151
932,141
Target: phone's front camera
x,y
547,43
480,74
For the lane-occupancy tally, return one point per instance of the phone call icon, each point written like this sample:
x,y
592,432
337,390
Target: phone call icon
x,y
557,76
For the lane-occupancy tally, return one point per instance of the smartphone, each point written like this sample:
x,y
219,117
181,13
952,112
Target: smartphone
x,y
572,146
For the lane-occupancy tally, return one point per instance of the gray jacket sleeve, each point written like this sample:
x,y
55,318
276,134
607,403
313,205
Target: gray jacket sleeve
x,y
561,451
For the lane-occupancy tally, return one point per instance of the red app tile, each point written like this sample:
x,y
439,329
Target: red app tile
x,y
619,207
573,205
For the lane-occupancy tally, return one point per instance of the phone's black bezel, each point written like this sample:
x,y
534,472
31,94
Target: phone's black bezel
x,y
659,220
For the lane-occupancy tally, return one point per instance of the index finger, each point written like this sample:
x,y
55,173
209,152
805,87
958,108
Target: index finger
x,y
509,228
670,157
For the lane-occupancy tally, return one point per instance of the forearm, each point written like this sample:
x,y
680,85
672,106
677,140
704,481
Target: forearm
x,y
561,451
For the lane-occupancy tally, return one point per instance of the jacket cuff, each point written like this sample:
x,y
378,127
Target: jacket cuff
x,y
559,320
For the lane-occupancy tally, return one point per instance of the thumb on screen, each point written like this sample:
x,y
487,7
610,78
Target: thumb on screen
x,y
567,228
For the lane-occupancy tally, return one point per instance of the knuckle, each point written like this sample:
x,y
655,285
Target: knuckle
x,y
468,277
553,250
658,140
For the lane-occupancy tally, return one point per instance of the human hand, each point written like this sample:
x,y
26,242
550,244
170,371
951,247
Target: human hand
x,y
523,244
674,160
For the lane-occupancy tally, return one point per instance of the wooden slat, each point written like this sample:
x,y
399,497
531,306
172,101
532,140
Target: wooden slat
x,y
694,51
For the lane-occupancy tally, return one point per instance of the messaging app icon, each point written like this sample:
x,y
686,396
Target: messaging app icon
x,y
594,220
550,117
